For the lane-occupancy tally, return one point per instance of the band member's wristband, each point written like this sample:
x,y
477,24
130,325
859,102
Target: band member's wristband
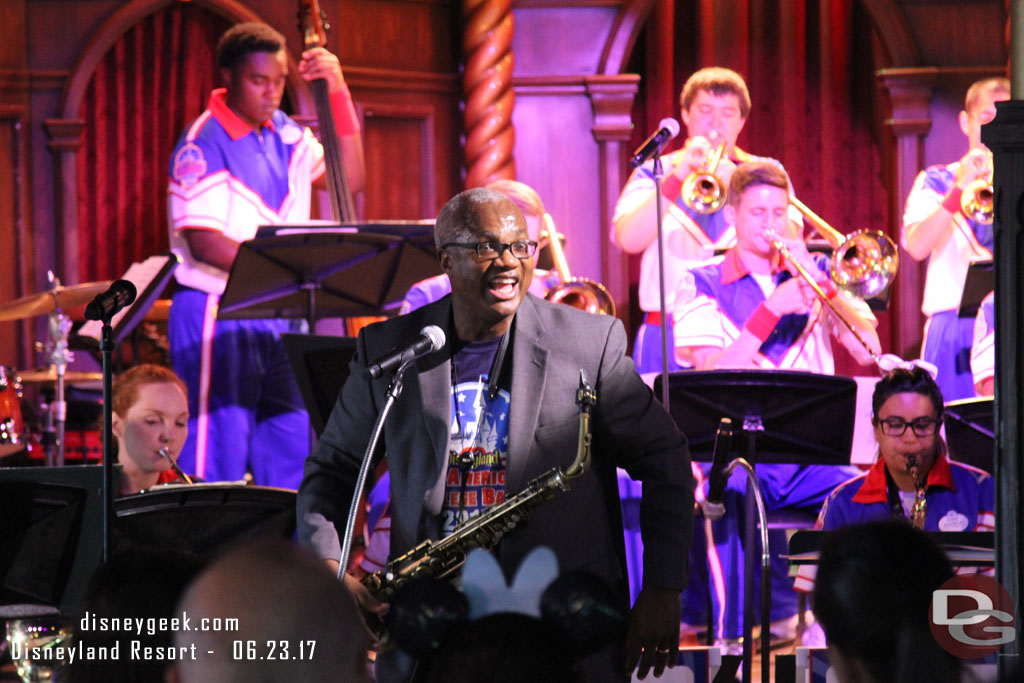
x,y
951,202
762,322
671,187
345,118
828,287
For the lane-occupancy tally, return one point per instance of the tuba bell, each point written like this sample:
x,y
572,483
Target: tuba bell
x,y
578,292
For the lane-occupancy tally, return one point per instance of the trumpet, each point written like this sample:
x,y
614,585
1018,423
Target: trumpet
x,y
978,199
863,264
703,191
580,293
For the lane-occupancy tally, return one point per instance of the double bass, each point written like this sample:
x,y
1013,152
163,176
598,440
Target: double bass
x,y
313,26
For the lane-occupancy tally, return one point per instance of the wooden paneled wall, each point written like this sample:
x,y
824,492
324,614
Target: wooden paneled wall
x,y
574,113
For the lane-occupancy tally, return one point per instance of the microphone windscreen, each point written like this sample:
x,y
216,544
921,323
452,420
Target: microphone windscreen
x,y
436,336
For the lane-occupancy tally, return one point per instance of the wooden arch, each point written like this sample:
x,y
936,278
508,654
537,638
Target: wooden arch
x,y
65,132
124,19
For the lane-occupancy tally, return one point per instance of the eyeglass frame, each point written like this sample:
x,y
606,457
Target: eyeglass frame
x,y
924,422
531,248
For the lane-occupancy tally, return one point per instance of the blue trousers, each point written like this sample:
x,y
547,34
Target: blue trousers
x,y
948,346
647,349
245,410
717,554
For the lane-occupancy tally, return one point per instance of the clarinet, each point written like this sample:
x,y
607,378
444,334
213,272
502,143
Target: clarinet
x,y
174,466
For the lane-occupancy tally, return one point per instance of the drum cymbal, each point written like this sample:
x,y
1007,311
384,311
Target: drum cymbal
x,y
50,300
45,375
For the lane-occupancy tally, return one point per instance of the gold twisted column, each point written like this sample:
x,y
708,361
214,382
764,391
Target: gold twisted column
x,y
487,85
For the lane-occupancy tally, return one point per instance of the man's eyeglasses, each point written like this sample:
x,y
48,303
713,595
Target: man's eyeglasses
x,y
489,251
922,426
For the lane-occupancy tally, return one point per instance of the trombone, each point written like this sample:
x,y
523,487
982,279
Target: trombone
x,y
578,292
863,264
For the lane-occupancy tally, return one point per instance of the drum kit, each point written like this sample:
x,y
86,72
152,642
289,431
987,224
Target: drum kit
x,y
62,305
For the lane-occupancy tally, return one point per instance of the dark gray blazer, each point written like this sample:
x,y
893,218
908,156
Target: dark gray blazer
x,y
550,344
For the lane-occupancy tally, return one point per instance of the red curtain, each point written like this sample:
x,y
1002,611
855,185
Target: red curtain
x,y
151,83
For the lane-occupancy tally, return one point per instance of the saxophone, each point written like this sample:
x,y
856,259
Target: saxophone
x,y
920,509
442,559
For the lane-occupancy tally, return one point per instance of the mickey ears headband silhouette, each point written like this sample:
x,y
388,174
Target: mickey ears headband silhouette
x,y
579,604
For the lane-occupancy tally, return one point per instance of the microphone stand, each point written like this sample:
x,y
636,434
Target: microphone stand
x,y
109,453
394,391
658,175
748,572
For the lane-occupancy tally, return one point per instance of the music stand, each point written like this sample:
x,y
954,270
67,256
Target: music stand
x,y
51,521
789,417
800,418
979,283
150,279
970,432
204,518
320,364
315,271
963,548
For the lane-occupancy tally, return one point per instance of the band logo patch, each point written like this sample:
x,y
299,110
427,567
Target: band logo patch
x,y
291,134
189,165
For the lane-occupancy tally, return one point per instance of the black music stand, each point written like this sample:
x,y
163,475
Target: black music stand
x,y
51,525
789,417
203,519
963,548
320,364
800,418
970,432
315,271
979,283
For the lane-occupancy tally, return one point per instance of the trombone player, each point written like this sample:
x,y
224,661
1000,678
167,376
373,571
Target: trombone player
x,y
714,105
939,225
747,310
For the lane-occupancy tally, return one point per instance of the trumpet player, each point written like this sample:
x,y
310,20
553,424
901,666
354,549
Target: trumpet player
x,y
746,310
714,106
935,227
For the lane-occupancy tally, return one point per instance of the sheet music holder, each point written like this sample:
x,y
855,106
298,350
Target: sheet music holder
x,y
51,522
320,364
970,432
963,548
979,283
341,270
799,418
204,519
150,279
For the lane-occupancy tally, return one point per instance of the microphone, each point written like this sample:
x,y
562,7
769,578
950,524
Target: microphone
x,y
712,506
105,305
431,339
667,129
